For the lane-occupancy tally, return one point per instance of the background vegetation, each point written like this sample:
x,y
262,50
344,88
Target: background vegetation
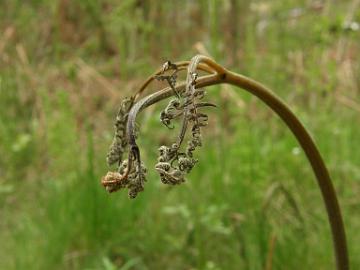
x,y
65,65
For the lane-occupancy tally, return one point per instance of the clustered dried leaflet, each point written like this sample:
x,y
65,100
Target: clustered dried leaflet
x,y
173,162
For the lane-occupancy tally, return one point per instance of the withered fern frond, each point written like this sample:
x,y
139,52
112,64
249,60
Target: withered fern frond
x,y
175,162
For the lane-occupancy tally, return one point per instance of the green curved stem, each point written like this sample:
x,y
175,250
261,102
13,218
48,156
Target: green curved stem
x,y
302,135
313,155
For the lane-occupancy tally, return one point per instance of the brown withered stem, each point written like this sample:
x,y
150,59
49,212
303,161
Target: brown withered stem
x,y
174,164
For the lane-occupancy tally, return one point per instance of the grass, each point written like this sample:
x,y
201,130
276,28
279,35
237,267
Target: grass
x,y
60,84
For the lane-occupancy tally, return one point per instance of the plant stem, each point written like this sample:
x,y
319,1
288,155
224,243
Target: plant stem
x,y
302,135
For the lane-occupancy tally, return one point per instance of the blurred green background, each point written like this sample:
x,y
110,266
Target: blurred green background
x,y
64,67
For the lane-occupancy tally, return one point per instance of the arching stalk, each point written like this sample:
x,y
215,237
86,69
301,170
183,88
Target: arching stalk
x,y
282,110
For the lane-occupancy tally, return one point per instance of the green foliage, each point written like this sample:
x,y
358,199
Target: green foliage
x,y
64,67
